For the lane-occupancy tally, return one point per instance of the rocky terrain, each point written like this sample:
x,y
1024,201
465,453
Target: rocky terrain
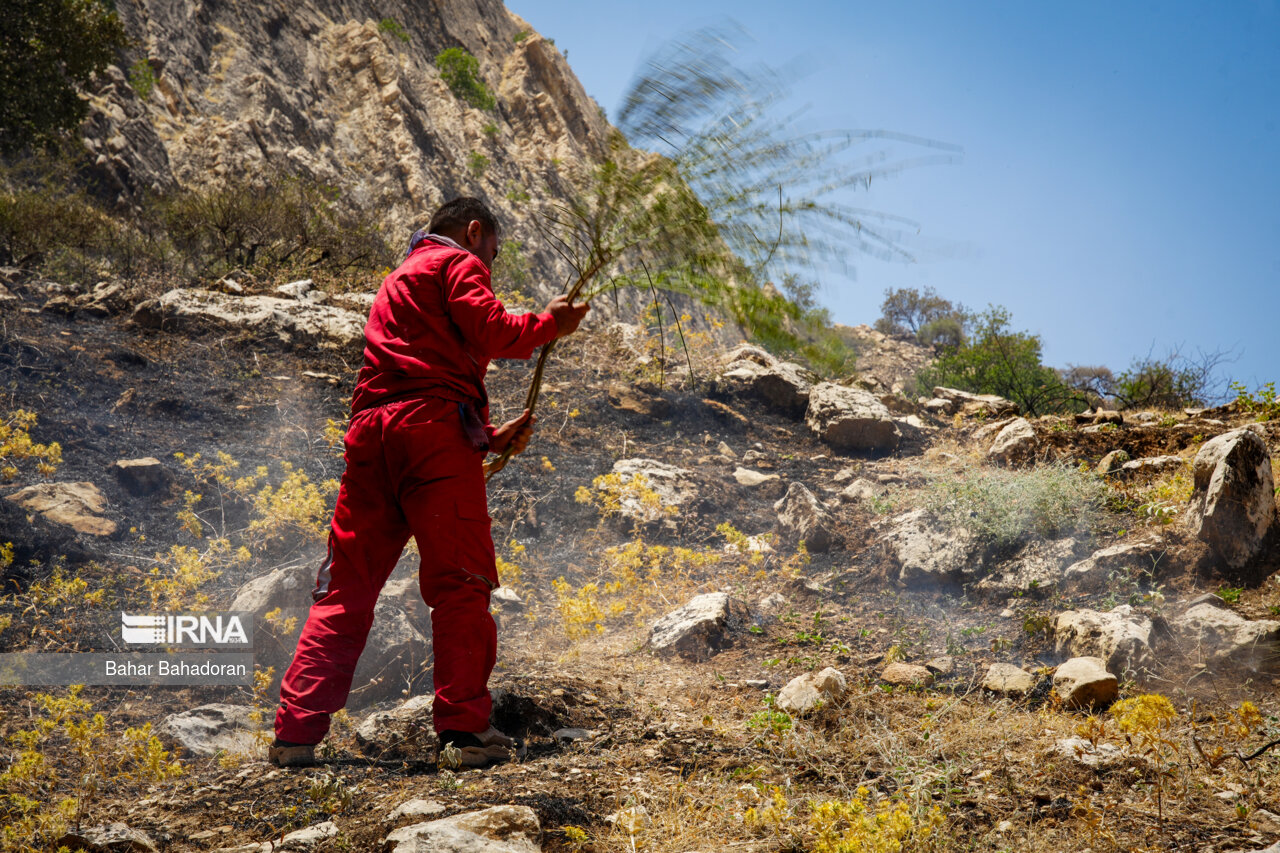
x,y
974,591
744,606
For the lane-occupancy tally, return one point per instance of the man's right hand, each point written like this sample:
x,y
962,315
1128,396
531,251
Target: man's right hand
x,y
566,314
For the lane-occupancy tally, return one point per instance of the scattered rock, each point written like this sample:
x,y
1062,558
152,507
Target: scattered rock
x,y
1035,571
1084,683
212,729
1234,500
803,693
850,419
564,737
971,405
941,665
106,298
1151,466
1093,573
402,732
1120,637
1111,463
861,491
142,477
640,399
506,599
1211,632
295,289
110,838
75,505
767,484
726,451
1008,680
700,629
927,554
674,487
501,829
292,321
1016,444
417,808
781,384
907,675
1104,756
802,516
1100,416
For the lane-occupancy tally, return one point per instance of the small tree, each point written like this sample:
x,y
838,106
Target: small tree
x,y
48,51
931,319
461,72
998,360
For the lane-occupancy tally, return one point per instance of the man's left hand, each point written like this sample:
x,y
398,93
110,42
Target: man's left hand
x,y
513,434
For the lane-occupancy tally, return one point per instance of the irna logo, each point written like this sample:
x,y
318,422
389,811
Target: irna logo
x,y
174,630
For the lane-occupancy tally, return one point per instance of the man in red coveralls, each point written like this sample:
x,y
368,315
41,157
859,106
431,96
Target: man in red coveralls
x,y
418,435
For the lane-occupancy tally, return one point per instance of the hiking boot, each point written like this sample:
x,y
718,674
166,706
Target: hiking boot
x,y
476,749
283,753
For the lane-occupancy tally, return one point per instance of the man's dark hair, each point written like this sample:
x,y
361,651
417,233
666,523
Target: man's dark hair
x,y
455,215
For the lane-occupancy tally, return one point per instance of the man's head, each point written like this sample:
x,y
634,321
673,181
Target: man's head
x,y
468,223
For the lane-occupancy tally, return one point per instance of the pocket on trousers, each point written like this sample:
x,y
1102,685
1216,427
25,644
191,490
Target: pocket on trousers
x,y
474,541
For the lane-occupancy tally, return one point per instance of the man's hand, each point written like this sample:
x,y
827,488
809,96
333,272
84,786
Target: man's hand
x,y
514,434
566,314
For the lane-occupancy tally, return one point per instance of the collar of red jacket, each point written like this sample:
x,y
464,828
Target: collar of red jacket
x,y
423,236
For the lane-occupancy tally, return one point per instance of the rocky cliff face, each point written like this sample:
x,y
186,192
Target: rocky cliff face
x,y
321,86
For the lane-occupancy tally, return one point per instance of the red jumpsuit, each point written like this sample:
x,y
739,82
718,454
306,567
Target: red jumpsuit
x,y
414,451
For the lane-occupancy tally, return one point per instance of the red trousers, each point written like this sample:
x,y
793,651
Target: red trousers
x,y
411,471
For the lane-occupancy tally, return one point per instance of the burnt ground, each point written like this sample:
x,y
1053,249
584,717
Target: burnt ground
x,y
692,743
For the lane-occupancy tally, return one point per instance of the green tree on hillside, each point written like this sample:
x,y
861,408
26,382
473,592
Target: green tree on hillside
x,y
931,319
48,51
998,360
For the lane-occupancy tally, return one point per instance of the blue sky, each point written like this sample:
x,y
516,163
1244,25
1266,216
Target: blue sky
x,y
1119,190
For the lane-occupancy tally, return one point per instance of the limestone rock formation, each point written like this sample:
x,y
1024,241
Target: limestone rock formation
x,y
802,516
949,401
804,692
926,553
1085,683
1234,502
701,628
1015,445
75,505
781,384
293,321
1121,637
1005,679
1211,632
500,829
210,729
850,419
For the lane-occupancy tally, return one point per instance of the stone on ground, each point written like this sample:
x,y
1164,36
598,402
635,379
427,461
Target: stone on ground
x,y
1234,501
210,729
861,491
1093,573
783,385
75,505
289,320
1084,683
802,516
674,487
1211,632
1008,680
1112,462
925,553
906,675
109,838
700,629
803,693
1121,637
142,477
1104,756
403,732
851,419
953,400
1016,444
501,829
417,808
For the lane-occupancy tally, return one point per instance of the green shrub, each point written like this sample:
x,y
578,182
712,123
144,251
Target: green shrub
x,y
461,72
1264,404
521,36
477,163
142,78
392,27
997,360
1006,508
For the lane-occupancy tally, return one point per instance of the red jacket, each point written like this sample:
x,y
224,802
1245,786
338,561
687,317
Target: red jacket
x,y
435,325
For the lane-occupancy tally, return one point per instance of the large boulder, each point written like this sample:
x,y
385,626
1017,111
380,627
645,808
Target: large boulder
x,y
1121,637
851,419
290,320
1016,444
1035,571
703,627
783,385
75,505
212,729
501,829
928,554
804,517
1211,632
1234,501
1095,572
